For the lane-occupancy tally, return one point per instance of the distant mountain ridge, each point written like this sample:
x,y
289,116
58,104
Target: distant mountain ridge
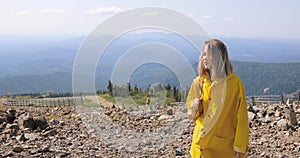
x,y
46,65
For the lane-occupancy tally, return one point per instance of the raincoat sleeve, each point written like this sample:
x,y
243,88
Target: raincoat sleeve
x,y
194,92
242,130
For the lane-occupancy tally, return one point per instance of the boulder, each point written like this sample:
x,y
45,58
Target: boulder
x,y
41,122
26,121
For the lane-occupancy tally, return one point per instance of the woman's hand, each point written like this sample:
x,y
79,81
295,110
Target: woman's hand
x,y
195,104
192,112
239,155
194,109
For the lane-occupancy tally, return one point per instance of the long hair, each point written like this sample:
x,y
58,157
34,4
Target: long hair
x,y
202,71
221,66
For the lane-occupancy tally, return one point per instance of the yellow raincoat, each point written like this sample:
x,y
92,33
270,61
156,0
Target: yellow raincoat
x,y
228,132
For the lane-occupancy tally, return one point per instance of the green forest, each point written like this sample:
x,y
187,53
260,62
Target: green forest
x,y
278,78
258,78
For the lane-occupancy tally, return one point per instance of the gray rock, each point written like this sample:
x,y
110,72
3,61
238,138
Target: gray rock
x,y
282,123
2,119
250,116
50,133
147,142
13,126
179,152
17,149
170,112
278,113
11,111
10,118
164,117
269,119
44,149
184,110
41,122
270,111
26,121
290,115
31,136
53,122
21,137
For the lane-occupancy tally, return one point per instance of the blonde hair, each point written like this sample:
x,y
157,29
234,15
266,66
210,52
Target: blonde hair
x,y
221,65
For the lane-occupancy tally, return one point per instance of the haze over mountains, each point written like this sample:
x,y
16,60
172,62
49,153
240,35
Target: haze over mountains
x,y
32,65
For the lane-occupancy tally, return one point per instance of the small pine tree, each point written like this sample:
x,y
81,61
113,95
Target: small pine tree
x,y
136,90
175,93
98,92
129,87
109,88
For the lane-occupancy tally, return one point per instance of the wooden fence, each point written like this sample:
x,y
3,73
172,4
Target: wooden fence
x,y
49,102
272,99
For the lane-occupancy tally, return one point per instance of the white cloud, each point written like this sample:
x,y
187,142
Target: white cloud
x,y
23,12
105,10
54,10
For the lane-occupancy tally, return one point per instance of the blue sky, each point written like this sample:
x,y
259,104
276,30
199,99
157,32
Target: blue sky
x,y
232,18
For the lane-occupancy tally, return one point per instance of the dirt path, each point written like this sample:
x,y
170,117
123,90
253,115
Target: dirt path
x,y
99,100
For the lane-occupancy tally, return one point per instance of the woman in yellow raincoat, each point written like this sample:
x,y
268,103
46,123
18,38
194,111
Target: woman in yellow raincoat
x,y
218,103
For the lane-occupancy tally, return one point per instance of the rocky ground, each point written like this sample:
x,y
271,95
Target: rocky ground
x,y
133,132
272,134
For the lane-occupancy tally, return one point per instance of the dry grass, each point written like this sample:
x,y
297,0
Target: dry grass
x,y
54,117
2,107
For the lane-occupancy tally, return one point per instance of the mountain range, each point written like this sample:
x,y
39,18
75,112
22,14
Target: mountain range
x,y
33,65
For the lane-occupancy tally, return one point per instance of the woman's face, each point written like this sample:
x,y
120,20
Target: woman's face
x,y
206,57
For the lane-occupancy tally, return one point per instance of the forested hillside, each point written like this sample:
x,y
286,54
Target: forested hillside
x,y
274,78
279,78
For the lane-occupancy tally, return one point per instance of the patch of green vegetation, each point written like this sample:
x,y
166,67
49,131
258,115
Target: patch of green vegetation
x,y
90,103
108,97
128,96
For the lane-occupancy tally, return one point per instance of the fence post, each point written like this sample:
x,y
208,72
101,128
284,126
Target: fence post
x,y
253,101
290,116
282,99
299,96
